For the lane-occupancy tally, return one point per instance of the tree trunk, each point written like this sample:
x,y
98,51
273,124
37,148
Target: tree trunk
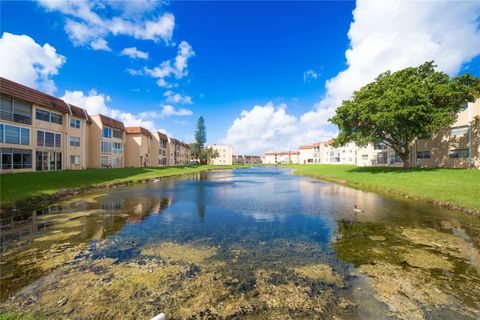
x,y
405,158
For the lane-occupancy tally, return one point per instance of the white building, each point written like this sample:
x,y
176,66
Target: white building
x,y
225,153
281,157
306,154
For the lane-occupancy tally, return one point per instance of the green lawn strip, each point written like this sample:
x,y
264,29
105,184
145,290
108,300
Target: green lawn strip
x,y
21,186
458,188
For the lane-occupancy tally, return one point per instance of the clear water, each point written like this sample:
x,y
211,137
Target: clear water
x,y
255,243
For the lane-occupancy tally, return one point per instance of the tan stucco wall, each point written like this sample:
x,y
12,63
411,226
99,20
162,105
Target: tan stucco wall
x,y
138,150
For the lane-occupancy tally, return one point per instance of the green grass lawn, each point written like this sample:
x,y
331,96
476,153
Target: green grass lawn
x,y
457,187
19,186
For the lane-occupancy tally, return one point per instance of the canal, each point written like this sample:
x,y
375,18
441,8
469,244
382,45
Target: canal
x,y
256,243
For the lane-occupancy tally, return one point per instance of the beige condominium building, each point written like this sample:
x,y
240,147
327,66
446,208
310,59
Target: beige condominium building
x,y
454,147
185,154
180,153
160,152
106,147
39,132
292,157
225,154
139,147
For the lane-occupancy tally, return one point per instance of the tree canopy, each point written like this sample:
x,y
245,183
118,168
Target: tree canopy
x,y
398,107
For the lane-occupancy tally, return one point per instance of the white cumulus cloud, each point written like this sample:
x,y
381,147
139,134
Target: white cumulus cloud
x,y
96,103
168,69
384,35
86,22
392,35
134,53
169,110
269,128
173,97
29,63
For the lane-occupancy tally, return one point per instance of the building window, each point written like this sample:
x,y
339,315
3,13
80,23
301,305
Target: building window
x,y
47,116
49,139
458,153
56,118
107,132
118,134
14,134
379,146
15,159
106,147
15,111
117,148
424,155
105,162
395,158
116,162
75,159
458,131
75,123
75,141
382,158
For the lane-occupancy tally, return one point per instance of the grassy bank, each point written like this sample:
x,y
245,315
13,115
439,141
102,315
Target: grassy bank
x,y
21,186
456,188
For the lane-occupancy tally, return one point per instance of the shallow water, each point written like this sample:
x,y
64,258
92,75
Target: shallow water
x,y
255,243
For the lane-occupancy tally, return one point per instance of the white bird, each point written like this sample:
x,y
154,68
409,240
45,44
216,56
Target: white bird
x,y
356,210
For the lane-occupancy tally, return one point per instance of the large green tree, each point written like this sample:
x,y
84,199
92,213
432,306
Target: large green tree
x,y
200,138
199,151
398,107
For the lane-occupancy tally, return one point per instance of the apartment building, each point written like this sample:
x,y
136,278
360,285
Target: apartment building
x,y
243,159
161,152
292,157
225,154
185,154
306,154
39,132
179,153
454,147
139,144
106,147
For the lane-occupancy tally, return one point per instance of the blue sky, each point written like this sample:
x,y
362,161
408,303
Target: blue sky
x,y
266,76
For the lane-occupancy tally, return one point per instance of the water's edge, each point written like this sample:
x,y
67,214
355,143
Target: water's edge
x,y
393,194
30,203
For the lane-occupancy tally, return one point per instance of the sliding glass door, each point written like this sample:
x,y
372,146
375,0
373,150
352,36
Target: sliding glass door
x,y
48,161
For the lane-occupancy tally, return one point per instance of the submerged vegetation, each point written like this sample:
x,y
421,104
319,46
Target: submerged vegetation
x,y
456,188
195,248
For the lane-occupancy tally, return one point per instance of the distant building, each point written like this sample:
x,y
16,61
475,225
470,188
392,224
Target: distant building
x,y
225,153
306,154
282,157
242,159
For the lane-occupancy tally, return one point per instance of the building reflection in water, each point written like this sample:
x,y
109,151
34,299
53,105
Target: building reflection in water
x,y
82,220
